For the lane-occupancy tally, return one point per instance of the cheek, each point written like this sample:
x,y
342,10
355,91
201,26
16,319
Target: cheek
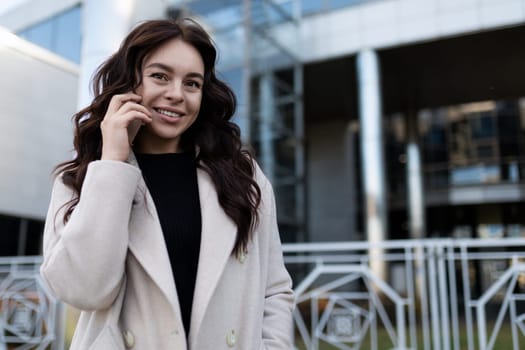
x,y
140,90
196,103
147,89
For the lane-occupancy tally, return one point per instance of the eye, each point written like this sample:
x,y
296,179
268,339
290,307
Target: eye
x,y
193,84
159,76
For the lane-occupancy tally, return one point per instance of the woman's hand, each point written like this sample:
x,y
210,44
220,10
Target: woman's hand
x,y
124,112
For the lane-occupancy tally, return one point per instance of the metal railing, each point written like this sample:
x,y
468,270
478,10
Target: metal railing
x,y
424,294
30,318
418,294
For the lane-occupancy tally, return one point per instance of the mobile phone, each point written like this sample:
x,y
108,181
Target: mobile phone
x,y
133,129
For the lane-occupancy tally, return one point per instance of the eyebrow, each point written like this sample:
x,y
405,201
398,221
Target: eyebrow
x,y
170,70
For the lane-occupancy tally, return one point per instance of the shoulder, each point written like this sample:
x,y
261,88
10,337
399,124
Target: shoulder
x,y
267,204
260,178
60,186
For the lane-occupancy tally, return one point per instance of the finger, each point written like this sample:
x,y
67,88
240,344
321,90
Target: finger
x,y
133,106
122,120
130,116
131,97
117,101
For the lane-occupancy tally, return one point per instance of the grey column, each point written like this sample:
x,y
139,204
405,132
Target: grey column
x,y
351,134
104,25
300,200
266,134
416,203
372,164
22,237
245,104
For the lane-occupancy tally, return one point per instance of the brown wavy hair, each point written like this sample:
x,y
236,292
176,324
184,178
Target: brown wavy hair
x,y
221,155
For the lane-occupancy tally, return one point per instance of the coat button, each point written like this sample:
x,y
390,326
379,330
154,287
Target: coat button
x,y
242,257
129,338
231,339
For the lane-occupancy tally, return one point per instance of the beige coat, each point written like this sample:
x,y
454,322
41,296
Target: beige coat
x,y
110,261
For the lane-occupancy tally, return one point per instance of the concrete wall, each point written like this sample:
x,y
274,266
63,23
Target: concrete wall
x,y
387,23
38,98
331,181
390,23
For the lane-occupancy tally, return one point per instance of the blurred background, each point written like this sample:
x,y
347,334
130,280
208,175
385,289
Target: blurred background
x,y
374,119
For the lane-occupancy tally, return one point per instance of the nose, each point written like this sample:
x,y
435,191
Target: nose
x,y
174,91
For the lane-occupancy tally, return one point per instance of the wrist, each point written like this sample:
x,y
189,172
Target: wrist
x,y
116,156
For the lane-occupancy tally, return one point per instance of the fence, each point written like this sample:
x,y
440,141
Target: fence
x,y
29,317
414,294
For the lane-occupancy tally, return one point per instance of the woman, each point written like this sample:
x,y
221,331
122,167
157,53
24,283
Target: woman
x,y
161,229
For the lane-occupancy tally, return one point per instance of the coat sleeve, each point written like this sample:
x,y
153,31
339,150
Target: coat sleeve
x,y
84,259
277,329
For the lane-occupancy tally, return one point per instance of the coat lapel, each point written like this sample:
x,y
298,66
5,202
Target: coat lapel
x,y
147,244
217,241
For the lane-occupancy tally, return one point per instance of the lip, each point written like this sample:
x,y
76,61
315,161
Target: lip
x,y
166,117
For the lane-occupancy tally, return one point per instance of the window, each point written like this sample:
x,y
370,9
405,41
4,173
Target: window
x,y
59,34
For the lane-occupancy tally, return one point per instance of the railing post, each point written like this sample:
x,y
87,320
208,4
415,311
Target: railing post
x,y
401,331
482,336
410,262
466,296
453,292
314,317
434,297
422,268
445,324
514,330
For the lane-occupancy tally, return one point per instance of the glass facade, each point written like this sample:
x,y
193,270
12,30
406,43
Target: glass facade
x,y
310,7
273,131
467,149
473,144
470,144
223,14
59,34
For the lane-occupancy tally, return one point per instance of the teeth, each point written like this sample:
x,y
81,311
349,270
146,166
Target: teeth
x,y
168,113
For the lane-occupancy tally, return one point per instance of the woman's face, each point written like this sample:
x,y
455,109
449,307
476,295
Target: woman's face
x,y
171,89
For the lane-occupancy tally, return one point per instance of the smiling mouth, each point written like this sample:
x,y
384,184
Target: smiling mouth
x,y
168,113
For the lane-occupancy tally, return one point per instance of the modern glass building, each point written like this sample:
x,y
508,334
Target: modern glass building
x,y
374,119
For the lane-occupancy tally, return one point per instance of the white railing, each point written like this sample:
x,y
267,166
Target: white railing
x,y
30,319
417,294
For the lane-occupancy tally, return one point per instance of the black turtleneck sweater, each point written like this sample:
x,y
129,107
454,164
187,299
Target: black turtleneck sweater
x,y
172,181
